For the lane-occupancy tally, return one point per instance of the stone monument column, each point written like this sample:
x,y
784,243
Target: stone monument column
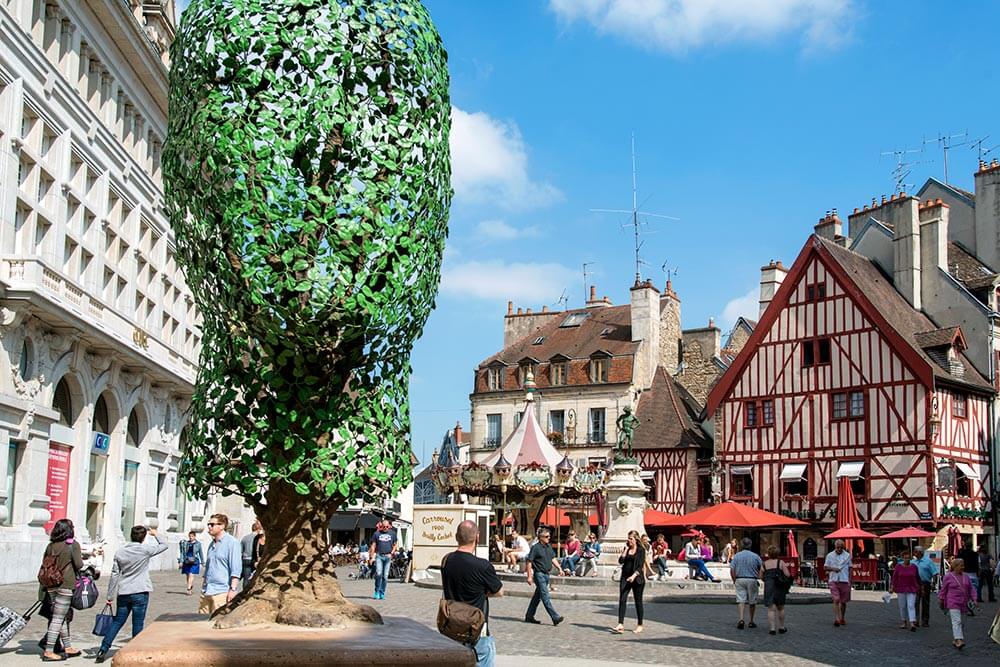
x,y
626,494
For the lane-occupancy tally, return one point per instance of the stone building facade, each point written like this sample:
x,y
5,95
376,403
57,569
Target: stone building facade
x,y
99,333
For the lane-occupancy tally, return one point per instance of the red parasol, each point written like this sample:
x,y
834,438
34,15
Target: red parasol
x,y
910,533
548,517
694,532
657,518
850,533
847,511
734,515
793,549
954,542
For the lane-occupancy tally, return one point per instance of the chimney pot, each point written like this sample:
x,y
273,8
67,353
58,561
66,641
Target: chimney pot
x,y
593,293
711,322
883,199
606,299
902,195
994,163
510,307
856,210
519,311
528,312
892,197
545,309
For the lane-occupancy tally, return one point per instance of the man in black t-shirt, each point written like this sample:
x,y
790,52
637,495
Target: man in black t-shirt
x,y
541,560
469,579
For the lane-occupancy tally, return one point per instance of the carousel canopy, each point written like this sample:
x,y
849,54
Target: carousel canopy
x,y
528,443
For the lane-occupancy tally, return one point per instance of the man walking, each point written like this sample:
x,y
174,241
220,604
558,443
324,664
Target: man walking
x,y
223,566
246,549
466,578
986,565
971,560
130,585
746,570
540,562
381,552
838,573
926,569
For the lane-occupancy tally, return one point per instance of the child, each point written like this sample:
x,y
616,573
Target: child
x,y
956,591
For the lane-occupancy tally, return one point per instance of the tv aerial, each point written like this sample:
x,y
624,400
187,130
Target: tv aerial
x,y
634,214
947,142
902,170
977,145
563,300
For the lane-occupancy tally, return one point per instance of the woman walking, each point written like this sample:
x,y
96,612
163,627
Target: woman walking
x,y
190,558
776,578
955,594
633,562
905,584
62,559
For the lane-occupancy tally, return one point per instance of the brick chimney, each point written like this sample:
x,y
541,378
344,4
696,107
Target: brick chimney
x,y
645,315
830,226
771,277
988,213
933,245
594,302
517,325
458,438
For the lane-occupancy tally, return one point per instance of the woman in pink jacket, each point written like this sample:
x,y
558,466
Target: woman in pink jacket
x,y
906,584
956,592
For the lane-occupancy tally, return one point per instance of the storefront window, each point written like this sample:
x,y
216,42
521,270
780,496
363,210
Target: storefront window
x,y
129,483
97,481
11,476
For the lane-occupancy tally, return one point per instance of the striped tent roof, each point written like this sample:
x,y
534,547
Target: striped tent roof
x,y
527,444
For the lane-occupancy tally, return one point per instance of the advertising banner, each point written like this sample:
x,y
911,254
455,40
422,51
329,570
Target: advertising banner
x,y
57,482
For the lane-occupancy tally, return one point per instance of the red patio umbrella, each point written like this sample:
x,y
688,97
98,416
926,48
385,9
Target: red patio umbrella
x,y
909,534
694,532
734,515
548,517
954,542
847,511
849,534
656,518
793,549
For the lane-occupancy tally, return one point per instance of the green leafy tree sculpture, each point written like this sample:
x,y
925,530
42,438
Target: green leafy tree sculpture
x,y
307,179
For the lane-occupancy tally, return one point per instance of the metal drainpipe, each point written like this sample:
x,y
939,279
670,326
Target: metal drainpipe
x,y
991,436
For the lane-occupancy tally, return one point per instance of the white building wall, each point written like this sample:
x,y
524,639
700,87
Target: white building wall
x,y
90,290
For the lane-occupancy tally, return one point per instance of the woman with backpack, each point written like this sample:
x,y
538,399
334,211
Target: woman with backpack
x,y
61,562
777,582
190,558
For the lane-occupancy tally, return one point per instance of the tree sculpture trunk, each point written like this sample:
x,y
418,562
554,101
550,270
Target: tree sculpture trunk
x,y
295,582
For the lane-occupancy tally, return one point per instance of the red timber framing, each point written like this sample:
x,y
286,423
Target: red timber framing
x,y
670,476
890,439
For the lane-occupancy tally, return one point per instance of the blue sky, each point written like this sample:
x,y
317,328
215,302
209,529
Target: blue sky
x,y
751,119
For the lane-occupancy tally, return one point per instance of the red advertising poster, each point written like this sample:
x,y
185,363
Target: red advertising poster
x,y
57,483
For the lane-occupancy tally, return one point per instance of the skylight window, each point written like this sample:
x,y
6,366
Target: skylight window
x,y
606,331
574,320
538,341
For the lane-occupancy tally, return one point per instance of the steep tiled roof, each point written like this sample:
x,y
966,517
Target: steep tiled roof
x,y
667,416
964,266
907,321
576,342
936,338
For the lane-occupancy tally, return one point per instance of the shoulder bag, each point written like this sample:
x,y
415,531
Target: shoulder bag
x,y
458,620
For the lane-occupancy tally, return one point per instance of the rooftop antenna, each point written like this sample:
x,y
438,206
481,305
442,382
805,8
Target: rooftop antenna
x,y
563,300
668,272
902,169
635,213
978,146
586,273
947,142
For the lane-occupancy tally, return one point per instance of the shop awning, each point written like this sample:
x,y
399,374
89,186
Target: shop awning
x,y
851,469
793,472
353,521
741,470
969,470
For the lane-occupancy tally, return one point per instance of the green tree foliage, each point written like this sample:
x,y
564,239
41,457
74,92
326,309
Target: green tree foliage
x,y
307,180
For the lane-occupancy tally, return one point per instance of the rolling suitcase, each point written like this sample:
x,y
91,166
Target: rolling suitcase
x,y
12,622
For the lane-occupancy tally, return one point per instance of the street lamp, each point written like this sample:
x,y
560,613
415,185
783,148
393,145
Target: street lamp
x,y
935,420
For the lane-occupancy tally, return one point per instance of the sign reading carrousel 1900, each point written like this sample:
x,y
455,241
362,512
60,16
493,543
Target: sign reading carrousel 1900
x,y
437,528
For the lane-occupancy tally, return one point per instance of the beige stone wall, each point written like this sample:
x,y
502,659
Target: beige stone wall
x,y
700,372
737,339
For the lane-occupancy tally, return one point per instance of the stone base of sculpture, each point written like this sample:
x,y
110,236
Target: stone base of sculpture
x,y
626,494
183,640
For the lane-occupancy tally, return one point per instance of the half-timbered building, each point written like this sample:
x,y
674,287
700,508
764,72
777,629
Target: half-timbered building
x,y
843,377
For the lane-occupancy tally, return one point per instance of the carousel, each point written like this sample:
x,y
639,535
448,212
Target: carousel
x,y
525,476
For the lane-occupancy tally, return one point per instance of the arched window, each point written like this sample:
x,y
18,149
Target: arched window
x,y
26,366
63,403
101,423
133,438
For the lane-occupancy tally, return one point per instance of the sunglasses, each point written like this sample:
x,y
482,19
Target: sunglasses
x,y
213,524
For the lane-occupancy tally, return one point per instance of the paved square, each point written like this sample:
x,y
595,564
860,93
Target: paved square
x,y
676,634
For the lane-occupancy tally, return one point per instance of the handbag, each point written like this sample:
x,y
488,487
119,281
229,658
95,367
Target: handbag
x,y
783,582
84,593
102,622
460,621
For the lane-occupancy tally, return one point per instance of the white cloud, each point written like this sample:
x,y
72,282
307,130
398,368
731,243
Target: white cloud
x,y
677,26
747,306
523,282
498,230
489,163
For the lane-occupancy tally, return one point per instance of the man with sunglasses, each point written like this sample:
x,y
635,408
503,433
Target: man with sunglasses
x,y
223,566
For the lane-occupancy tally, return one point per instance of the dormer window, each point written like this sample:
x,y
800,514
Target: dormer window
x,y
599,369
538,341
557,373
815,292
494,378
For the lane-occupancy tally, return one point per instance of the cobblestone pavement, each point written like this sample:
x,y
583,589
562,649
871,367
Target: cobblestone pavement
x,y
675,634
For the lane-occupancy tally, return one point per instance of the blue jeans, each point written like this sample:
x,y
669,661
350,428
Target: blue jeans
x,y
661,565
486,652
699,568
135,604
382,572
541,595
974,578
569,563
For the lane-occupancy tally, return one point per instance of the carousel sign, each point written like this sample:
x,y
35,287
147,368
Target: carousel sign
x,y
533,477
588,480
476,477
